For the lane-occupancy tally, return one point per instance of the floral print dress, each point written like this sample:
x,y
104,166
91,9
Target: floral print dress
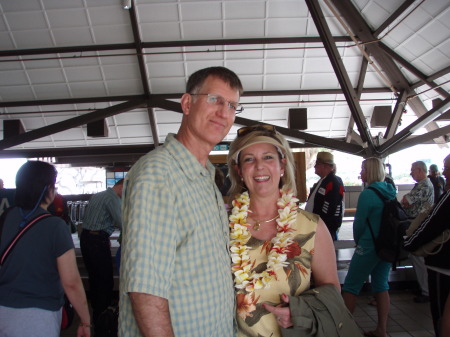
x,y
253,319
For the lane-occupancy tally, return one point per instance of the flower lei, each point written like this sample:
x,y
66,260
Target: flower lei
x,y
244,277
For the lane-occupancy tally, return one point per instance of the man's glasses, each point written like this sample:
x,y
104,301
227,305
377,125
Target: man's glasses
x,y
260,127
213,99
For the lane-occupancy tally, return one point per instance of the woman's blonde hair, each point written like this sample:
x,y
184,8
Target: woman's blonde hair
x,y
260,135
374,168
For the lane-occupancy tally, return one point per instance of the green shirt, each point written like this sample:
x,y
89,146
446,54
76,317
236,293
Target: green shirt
x,y
175,243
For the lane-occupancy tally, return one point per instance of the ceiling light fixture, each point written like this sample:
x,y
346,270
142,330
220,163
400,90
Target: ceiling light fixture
x,y
126,4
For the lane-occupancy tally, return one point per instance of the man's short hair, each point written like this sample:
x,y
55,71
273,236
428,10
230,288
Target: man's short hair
x,y
420,164
119,182
434,168
197,79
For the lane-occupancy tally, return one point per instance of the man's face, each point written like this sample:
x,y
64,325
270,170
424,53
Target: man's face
x,y
207,121
320,169
415,172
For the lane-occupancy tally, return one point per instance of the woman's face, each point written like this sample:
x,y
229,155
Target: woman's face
x,y
363,174
261,168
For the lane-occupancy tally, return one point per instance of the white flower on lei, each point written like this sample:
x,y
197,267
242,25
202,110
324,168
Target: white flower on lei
x,y
244,277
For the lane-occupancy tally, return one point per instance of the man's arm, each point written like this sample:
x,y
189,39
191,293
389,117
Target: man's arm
x,y
419,194
151,314
432,226
115,210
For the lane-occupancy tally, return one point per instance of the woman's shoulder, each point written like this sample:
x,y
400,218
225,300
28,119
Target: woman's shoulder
x,y
306,221
387,190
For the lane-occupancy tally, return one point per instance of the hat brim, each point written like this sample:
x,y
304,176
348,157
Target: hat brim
x,y
259,140
325,162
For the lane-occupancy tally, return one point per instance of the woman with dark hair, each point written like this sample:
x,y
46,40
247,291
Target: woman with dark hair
x,y
37,261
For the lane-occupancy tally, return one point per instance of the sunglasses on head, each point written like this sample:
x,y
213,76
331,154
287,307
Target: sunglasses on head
x,y
260,127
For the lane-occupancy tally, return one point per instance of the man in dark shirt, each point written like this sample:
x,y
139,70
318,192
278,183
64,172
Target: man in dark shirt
x,y
326,197
437,181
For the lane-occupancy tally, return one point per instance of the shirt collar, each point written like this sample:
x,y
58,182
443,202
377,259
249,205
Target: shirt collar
x,y
188,163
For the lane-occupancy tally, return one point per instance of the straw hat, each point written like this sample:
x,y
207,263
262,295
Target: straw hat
x,y
325,157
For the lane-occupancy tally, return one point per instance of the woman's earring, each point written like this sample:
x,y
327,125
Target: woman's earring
x,y
282,174
242,178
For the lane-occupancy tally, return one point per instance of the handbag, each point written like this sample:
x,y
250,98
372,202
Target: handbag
x,y
68,313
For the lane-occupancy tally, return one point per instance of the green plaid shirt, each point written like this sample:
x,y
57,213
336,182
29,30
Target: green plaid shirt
x,y
175,243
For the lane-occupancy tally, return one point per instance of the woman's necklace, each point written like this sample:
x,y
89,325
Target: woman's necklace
x,y
259,222
245,278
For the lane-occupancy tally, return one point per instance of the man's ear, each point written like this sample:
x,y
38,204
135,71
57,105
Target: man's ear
x,y
186,101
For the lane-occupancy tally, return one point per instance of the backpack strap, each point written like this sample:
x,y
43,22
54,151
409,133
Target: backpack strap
x,y
383,199
381,196
2,220
14,241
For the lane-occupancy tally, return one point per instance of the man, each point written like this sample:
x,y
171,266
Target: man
x,y
438,263
102,215
175,276
1,184
419,200
437,181
327,195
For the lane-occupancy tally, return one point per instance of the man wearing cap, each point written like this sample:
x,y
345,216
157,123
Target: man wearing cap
x,y
327,195
437,181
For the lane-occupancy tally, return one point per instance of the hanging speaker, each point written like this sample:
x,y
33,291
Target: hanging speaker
x,y
298,119
380,117
97,128
12,128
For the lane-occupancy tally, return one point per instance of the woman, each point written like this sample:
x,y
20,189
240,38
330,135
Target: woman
x,y
41,266
275,247
365,261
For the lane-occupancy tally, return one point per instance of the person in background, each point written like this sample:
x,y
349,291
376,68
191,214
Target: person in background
x,y
41,266
59,208
266,225
438,264
101,217
419,199
1,184
388,175
327,194
175,271
437,181
365,260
